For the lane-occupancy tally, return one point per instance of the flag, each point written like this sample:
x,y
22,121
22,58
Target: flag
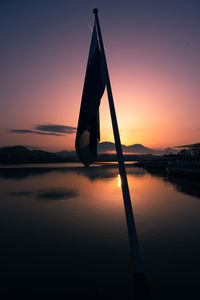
x,y
88,133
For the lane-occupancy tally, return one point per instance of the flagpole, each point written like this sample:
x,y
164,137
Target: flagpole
x,y
137,268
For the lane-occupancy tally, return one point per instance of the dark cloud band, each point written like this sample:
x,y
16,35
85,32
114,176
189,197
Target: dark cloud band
x,y
25,131
56,128
47,129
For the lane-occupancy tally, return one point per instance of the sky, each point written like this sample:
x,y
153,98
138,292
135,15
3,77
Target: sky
x,y
152,50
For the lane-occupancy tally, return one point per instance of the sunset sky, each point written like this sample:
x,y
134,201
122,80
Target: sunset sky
x,y
153,55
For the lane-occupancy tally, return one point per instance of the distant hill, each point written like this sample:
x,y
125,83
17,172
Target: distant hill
x,y
106,147
106,151
22,155
140,149
133,149
66,153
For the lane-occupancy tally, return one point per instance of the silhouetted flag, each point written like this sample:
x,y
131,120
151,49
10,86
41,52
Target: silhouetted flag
x,y
88,134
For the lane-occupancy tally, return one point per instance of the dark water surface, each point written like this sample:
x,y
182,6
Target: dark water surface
x,y
63,233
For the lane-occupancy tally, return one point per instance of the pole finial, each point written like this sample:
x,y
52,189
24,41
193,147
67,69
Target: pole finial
x,y
95,11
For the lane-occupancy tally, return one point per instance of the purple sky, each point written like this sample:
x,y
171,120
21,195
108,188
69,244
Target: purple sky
x,y
152,49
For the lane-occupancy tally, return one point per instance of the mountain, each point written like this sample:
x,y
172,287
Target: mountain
x,y
133,149
22,155
107,147
66,153
140,149
106,151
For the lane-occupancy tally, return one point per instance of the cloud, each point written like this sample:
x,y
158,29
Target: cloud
x,y
20,131
46,129
56,128
25,131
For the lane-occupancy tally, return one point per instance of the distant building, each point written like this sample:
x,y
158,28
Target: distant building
x,y
191,151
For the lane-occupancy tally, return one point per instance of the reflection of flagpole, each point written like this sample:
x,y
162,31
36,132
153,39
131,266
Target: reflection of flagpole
x,y
137,268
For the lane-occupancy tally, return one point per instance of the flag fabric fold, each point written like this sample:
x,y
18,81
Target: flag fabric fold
x,y
88,133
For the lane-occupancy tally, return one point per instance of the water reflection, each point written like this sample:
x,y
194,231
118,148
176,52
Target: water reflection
x,y
70,249
48,194
184,185
119,183
93,173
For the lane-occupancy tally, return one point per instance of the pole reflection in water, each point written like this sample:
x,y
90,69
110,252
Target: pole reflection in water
x,y
67,224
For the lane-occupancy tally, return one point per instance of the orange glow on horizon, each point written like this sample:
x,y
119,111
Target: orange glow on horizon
x,y
154,82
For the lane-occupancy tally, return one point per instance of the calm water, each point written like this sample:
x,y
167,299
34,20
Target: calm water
x,y
63,233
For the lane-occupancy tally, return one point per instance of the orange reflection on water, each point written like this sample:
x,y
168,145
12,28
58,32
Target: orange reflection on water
x,y
119,183
93,197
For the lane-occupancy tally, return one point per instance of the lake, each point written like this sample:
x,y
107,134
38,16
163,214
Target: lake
x,y
64,235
